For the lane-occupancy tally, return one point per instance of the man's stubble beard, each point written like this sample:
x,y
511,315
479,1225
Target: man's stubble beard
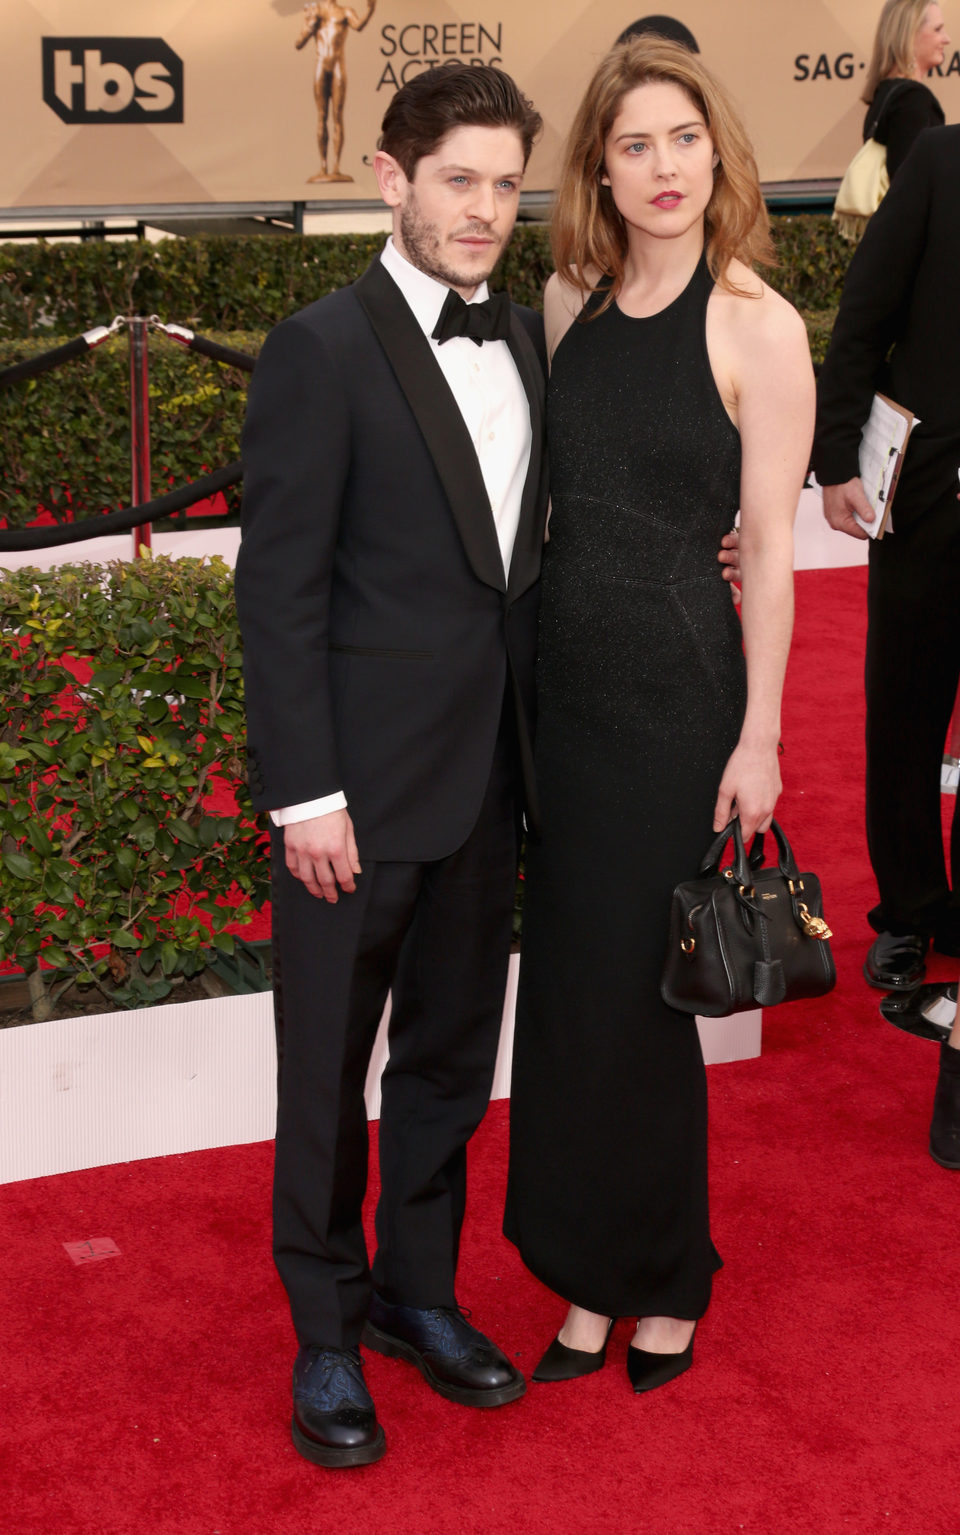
x,y
421,245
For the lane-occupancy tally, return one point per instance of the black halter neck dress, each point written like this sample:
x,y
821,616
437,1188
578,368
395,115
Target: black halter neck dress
x,y
642,692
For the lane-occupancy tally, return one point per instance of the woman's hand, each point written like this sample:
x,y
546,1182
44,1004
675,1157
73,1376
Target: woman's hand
x,y
749,788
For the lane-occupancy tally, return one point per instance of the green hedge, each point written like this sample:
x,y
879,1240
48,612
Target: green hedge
x,y
248,283
218,283
66,434
121,710
812,258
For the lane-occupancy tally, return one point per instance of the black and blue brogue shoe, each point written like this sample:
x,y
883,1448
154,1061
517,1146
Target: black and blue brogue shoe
x,y
453,1357
334,1419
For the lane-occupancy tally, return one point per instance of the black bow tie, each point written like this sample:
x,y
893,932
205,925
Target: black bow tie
x,y
487,321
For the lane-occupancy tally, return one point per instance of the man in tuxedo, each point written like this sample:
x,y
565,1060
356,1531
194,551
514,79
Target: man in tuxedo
x,y
394,507
896,332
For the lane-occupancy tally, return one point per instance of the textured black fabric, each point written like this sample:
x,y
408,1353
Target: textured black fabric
x,y
641,697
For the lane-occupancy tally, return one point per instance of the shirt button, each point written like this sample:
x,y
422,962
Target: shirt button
x,y
491,436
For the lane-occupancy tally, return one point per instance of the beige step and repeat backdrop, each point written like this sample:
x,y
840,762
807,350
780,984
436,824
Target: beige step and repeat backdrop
x,y
140,102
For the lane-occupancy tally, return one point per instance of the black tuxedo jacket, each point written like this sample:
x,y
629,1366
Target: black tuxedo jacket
x,y
379,633
902,298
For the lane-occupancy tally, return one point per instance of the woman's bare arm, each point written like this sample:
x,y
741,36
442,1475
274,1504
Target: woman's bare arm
x,y
760,354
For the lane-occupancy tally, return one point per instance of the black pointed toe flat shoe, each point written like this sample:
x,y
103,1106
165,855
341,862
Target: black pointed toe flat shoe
x,y
647,1371
563,1363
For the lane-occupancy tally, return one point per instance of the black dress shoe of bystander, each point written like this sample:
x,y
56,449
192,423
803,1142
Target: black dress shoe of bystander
x,y
905,1009
945,1124
895,961
334,1420
453,1357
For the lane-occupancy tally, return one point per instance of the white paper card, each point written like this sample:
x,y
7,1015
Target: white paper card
x,y
881,447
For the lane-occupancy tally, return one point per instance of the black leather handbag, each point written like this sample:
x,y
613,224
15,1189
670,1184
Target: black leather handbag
x,y
748,936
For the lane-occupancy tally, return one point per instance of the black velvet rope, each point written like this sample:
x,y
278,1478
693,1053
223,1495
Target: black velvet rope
x,y
18,539
44,361
220,353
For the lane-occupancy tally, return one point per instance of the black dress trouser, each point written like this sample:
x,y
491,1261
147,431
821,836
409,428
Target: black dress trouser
x,y
438,934
912,673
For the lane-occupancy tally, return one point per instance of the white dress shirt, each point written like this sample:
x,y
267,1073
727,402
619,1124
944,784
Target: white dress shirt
x,y
487,388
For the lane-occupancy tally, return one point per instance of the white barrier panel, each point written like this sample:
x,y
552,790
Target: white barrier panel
x,y
117,1087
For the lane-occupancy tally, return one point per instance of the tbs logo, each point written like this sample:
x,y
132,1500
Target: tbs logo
x,y
112,80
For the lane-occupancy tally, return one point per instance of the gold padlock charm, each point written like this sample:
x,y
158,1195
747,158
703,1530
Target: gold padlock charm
x,y
813,927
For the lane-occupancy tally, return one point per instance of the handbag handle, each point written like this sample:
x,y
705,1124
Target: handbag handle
x,y
786,862
743,866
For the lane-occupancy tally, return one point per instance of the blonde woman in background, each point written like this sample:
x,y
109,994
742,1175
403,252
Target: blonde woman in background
x,y
911,40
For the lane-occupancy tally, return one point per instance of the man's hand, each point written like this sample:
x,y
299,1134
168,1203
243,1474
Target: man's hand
x,y
322,852
729,557
841,501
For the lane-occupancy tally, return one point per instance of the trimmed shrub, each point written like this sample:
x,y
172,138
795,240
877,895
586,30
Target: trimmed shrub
x,y
813,261
122,715
67,433
248,282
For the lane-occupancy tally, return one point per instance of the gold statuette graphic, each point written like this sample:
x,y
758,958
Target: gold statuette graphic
x,y
329,22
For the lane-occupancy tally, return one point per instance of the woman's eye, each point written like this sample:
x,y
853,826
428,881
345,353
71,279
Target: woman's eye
x,y
688,138
635,148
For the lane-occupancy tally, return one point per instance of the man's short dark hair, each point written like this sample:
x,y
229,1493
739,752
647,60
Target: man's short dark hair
x,y
661,26
437,101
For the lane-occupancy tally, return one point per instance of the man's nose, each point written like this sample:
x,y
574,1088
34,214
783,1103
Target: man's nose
x,y
483,203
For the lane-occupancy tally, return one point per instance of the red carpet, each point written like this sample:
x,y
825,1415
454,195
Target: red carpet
x,y
149,1392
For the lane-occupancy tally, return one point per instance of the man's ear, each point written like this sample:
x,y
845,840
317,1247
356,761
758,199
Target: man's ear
x,y
390,178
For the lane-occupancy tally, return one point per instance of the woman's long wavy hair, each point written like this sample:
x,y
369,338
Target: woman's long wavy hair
x,y
893,45
589,231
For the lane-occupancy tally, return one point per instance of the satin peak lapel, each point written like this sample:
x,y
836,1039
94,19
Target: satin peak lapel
x,y
430,398
528,545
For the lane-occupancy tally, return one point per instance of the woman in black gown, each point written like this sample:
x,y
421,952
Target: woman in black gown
x,y
681,390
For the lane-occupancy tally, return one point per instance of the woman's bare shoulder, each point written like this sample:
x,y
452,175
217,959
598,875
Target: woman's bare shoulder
x,y
754,314
563,300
